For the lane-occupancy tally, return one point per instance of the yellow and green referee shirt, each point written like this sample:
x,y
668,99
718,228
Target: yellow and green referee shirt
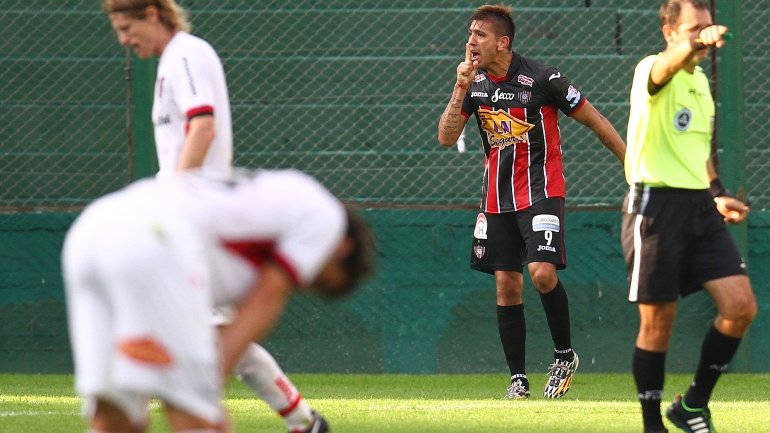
x,y
669,133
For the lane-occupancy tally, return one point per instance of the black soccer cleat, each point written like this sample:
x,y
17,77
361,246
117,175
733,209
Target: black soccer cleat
x,y
319,425
690,420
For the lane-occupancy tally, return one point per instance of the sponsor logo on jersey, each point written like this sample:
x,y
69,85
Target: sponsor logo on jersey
x,y
479,95
525,80
163,120
479,78
682,119
503,129
546,248
146,350
498,96
480,230
545,222
573,96
553,76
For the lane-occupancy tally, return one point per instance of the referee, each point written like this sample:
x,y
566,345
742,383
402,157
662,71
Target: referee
x,y
674,236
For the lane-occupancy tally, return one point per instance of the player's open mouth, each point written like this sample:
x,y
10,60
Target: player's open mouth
x,y
474,56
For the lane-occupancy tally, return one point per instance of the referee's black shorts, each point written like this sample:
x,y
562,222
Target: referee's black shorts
x,y
674,240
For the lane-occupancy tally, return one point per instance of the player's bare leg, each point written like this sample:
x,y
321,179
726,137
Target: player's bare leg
x,y
184,422
109,418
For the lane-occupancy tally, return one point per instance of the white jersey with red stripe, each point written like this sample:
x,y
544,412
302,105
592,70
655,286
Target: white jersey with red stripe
x,y
190,82
144,266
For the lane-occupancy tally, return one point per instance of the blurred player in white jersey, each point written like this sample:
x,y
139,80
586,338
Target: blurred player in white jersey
x,y
144,266
192,124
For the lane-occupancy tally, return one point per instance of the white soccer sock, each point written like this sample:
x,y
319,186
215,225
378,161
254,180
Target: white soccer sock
x,y
260,372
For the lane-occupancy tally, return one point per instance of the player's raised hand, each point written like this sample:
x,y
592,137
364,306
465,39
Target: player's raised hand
x,y
712,36
466,70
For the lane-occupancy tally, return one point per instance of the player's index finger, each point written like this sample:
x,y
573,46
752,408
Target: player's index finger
x,y
468,54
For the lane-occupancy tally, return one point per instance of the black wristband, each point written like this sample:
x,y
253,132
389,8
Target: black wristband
x,y
717,189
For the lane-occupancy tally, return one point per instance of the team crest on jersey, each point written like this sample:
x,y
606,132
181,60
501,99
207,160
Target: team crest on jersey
x,y
502,128
479,78
524,96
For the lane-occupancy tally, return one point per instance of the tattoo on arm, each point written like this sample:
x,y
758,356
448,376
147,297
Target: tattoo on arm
x,y
452,121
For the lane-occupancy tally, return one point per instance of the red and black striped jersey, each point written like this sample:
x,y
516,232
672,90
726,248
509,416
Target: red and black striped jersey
x,y
517,116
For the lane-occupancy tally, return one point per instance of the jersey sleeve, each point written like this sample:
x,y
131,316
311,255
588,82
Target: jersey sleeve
x,y
194,87
561,92
640,86
469,107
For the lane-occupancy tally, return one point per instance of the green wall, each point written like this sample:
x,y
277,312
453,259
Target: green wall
x,y
424,312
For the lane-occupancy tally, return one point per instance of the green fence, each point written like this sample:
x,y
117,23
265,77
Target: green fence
x,y
351,92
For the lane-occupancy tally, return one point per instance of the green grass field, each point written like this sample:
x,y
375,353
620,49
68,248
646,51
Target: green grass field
x,y
416,404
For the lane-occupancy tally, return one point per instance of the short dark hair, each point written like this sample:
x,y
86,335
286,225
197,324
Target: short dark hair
x,y
670,10
360,263
500,17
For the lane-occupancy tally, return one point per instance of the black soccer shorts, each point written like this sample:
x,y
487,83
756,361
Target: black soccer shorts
x,y
508,241
674,240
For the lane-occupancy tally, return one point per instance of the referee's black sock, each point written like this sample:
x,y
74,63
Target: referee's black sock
x,y
513,335
556,307
717,351
649,373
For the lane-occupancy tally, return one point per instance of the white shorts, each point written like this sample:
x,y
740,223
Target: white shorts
x,y
139,310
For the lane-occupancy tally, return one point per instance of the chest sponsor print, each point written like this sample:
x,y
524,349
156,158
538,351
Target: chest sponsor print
x,y
502,128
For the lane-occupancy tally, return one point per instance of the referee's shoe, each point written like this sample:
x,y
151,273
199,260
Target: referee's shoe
x,y
691,420
560,376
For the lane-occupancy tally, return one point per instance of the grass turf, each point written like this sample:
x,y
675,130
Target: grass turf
x,y
416,404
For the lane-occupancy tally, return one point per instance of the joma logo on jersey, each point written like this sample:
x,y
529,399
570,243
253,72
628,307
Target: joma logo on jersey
x,y
502,128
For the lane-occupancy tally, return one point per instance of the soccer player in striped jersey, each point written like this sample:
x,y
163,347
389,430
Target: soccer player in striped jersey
x,y
516,101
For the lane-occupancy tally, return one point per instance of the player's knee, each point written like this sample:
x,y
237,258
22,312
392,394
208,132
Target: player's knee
x,y
741,310
543,278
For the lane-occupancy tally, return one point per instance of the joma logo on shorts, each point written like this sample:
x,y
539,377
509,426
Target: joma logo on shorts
x,y
546,248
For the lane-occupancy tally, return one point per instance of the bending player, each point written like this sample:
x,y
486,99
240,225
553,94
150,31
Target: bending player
x,y
144,266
